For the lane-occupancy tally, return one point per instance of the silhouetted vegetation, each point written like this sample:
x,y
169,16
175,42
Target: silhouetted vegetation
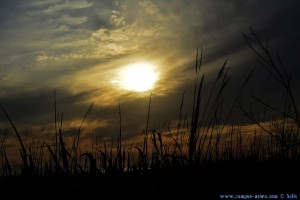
x,y
202,157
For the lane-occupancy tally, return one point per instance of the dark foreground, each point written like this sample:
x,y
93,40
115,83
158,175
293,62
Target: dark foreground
x,y
210,181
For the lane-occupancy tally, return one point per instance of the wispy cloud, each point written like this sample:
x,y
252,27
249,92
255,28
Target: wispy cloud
x,y
57,6
78,47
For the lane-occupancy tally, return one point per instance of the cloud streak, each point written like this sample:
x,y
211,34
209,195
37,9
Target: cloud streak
x,y
78,47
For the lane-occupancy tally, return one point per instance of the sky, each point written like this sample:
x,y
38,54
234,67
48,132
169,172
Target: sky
x,y
80,51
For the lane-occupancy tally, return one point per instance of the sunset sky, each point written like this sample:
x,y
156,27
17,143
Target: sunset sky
x,y
84,50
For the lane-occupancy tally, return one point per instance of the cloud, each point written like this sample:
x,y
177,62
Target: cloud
x,y
58,6
78,47
124,36
69,20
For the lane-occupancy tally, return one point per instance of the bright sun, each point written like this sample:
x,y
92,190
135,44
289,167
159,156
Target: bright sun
x,y
138,77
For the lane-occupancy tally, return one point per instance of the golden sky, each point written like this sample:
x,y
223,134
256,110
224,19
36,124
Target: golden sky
x,y
99,51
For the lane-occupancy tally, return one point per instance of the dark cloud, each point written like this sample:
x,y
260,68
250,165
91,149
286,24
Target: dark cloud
x,y
77,47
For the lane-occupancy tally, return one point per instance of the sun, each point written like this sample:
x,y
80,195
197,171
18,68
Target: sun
x,y
138,77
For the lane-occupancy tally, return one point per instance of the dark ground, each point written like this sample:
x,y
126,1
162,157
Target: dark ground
x,y
202,182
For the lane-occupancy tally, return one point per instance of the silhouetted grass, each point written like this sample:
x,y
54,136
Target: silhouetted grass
x,y
205,147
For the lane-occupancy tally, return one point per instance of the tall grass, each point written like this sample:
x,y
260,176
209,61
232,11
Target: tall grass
x,y
204,137
286,131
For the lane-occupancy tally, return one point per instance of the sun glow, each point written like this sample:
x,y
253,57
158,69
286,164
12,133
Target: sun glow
x,y
138,77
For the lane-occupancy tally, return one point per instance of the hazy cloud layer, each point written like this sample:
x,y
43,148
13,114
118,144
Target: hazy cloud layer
x,y
77,48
